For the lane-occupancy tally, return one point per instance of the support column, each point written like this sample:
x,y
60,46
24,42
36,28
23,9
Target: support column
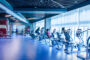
x,y
48,23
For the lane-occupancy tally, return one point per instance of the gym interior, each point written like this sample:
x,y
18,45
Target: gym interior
x,y
44,29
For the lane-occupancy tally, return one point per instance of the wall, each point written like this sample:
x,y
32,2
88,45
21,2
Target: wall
x,y
3,28
78,18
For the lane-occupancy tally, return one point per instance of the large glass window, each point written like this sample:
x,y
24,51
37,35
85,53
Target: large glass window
x,y
55,23
19,27
84,16
84,13
75,19
40,24
70,18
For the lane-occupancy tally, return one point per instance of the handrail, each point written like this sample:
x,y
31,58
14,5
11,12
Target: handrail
x,y
85,31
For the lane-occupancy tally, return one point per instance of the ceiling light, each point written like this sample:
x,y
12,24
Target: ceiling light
x,y
31,18
76,2
7,15
13,18
12,13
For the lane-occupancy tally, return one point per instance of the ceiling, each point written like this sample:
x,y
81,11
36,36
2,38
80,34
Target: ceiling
x,y
43,3
36,10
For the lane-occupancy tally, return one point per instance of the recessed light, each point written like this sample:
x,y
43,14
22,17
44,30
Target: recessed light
x,y
35,7
31,18
76,2
7,15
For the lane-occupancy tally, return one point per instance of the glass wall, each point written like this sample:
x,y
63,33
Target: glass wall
x,y
75,19
40,24
84,22
20,28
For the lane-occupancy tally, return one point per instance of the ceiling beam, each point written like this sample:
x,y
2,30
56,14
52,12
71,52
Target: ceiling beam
x,y
6,4
40,11
7,10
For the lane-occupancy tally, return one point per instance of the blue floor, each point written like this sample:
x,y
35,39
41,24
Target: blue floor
x,y
24,48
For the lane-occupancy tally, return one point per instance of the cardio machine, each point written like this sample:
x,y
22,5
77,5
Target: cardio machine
x,y
88,48
85,56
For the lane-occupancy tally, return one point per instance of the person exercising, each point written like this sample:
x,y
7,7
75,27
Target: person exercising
x,y
67,38
79,36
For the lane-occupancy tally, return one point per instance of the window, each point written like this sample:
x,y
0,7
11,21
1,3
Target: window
x,y
40,24
85,16
75,19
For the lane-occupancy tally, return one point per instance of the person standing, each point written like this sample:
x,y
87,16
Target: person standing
x,y
16,31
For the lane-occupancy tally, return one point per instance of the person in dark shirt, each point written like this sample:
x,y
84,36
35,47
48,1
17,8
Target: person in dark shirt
x,y
42,32
54,34
67,38
48,33
16,31
32,34
37,31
